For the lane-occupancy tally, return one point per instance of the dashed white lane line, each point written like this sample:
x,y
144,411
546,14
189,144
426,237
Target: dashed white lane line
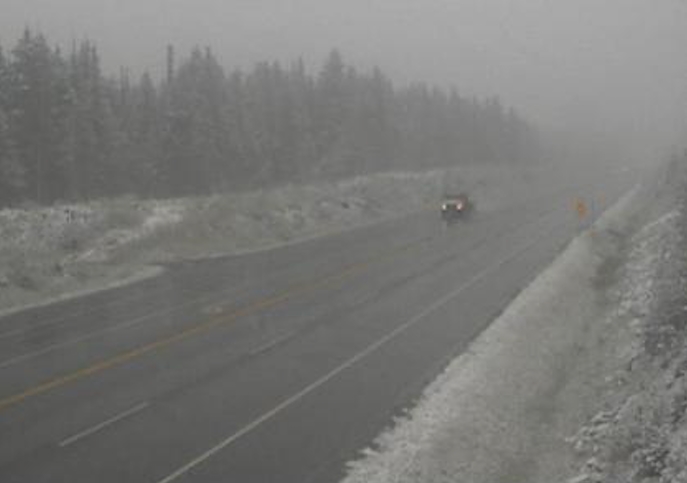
x,y
269,345
77,340
113,329
98,333
98,427
349,363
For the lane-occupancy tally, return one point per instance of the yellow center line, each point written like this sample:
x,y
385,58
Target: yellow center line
x,y
120,359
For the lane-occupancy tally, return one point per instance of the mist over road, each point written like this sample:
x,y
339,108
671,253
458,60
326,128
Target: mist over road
x,y
273,366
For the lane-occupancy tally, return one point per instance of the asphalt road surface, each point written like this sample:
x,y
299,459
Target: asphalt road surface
x,y
277,366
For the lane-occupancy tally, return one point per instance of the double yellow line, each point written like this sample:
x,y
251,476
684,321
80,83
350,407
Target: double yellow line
x,y
120,359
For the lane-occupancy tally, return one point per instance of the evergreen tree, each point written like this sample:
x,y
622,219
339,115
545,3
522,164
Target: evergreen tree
x,y
303,112
12,176
333,102
91,125
145,134
68,131
195,141
37,96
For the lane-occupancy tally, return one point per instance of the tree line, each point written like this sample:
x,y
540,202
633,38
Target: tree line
x,y
69,132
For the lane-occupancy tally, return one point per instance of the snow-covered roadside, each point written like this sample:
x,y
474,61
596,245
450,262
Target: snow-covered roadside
x,y
640,431
505,410
619,443
47,254
51,253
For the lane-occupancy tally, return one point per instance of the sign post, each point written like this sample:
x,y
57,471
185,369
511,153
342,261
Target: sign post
x,y
582,212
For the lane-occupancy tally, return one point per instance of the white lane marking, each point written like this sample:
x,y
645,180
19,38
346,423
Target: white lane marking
x,y
109,330
267,346
94,429
202,299
15,332
77,340
166,310
349,363
128,324
48,322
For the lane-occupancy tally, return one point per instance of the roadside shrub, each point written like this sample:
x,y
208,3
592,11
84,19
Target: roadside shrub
x,y
21,273
650,459
75,236
123,213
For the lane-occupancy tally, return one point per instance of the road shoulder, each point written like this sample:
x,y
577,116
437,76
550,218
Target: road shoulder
x,y
506,409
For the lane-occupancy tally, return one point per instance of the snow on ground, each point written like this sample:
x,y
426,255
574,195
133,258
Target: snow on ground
x,y
640,431
241,222
505,409
47,253
635,300
156,216
640,274
554,389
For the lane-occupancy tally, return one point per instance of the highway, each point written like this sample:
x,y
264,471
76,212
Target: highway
x,y
275,366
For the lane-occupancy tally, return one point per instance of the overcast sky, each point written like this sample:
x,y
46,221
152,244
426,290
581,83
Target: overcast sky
x,y
620,62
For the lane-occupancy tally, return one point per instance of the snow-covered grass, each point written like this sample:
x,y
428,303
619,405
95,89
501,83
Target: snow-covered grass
x,y
49,252
640,435
234,223
503,411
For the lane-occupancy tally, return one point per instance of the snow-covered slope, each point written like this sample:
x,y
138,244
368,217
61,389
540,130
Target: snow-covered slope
x,y
639,432
503,411
61,250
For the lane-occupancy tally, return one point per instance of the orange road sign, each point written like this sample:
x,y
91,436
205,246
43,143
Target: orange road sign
x,y
581,208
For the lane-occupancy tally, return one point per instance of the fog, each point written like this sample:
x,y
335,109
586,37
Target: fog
x,y
611,67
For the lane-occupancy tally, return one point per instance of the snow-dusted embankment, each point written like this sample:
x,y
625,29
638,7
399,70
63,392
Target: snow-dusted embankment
x,y
639,431
46,253
503,410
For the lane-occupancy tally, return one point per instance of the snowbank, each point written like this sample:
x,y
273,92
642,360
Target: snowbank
x,y
502,410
